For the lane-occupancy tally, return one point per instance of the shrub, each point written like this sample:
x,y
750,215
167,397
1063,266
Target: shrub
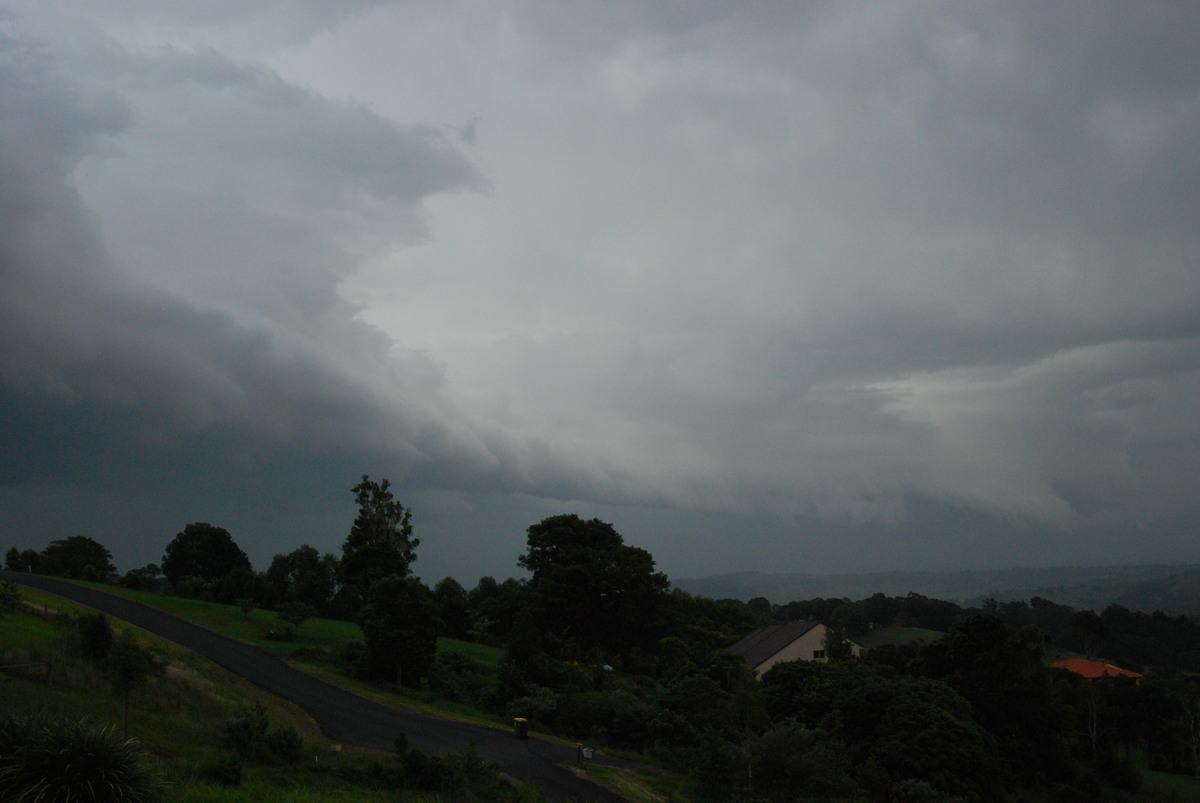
x,y
95,636
614,717
249,735
44,757
283,634
225,771
10,596
246,734
285,743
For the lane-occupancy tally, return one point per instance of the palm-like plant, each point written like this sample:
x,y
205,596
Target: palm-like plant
x,y
50,758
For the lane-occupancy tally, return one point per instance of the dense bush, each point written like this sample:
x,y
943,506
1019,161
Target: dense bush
x,y
49,758
249,736
612,717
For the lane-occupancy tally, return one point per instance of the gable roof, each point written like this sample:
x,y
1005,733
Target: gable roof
x,y
766,641
1093,669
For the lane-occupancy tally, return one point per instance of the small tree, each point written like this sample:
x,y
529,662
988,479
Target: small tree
x,y
836,645
296,613
95,636
130,664
10,596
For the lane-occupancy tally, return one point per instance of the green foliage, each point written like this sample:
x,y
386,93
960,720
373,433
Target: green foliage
x,y
302,576
129,665
146,578
225,771
79,558
95,636
464,776
10,596
205,561
50,758
453,607
458,677
906,727
380,543
616,718
593,597
249,736
790,762
399,625
296,613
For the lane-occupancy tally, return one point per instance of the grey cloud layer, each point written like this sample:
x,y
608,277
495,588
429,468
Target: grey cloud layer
x,y
884,251
845,263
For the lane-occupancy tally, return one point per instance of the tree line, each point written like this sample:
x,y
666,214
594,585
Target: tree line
x,y
599,647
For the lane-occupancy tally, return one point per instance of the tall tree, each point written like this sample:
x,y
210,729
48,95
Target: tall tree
x,y
596,596
77,557
380,543
210,557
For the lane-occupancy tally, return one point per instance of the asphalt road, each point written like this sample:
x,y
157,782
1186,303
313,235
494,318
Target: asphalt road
x,y
344,717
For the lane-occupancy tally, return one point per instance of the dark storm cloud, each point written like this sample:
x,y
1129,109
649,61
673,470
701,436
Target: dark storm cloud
x,y
885,272
195,351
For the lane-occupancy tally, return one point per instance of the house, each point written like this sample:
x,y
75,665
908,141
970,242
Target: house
x,y
1094,669
794,641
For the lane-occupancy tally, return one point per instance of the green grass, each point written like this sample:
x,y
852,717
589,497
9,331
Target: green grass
x,y
639,786
316,646
489,656
314,634
896,635
1165,786
252,627
177,717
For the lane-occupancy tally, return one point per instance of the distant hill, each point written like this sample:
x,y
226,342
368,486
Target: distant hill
x,y
1177,593
1174,589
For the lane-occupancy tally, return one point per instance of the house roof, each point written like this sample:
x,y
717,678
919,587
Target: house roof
x,y
766,641
1093,669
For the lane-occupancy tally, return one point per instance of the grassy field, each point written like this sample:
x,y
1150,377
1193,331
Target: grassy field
x,y
1163,786
316,634
179,718
896,635
176,717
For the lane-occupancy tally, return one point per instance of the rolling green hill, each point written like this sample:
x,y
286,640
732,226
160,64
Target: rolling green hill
x,y
1175,589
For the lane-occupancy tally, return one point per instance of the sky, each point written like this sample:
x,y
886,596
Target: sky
x,y
796,287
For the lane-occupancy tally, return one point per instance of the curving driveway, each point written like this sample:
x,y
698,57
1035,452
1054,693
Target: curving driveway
x,y
342,716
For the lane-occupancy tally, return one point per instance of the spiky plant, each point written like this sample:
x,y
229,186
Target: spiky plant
x,y
51,759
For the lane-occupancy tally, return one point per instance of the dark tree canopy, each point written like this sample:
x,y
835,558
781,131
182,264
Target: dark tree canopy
x,y
205,553
77,557
303,575
400,627
590,590
380,543
453,608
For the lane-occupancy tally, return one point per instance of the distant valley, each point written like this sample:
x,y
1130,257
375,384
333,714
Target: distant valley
x,y
1173,589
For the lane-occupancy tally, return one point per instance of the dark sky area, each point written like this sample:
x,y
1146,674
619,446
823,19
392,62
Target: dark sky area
x,y
821,287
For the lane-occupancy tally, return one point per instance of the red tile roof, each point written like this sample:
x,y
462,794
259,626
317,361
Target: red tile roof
x,y
1093,669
